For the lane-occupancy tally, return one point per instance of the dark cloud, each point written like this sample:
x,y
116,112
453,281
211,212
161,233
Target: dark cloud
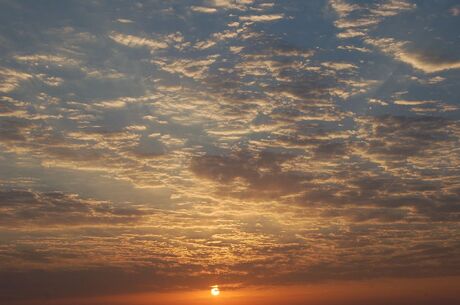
x,y
24,207
396,137
13,129
83,283
261,171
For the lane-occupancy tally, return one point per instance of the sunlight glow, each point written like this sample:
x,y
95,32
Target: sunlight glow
x,y
215,290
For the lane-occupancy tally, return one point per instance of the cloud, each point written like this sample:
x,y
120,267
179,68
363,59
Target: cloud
x,y
203,9
356,20
393,8
193,68
343,8
59,60
231,4
231,148
339,65
428,63
403,137
26,208
377,102
122,20
419,59
111,104
13,128
137,42
413,103
10,79
261,173
351,33
455,11
262,18
354,48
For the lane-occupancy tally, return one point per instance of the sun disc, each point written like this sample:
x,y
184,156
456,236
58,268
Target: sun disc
x,y
215,291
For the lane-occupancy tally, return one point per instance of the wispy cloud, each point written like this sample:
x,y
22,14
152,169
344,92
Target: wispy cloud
x,y
11,79
203,9
262,18
418,59
136,42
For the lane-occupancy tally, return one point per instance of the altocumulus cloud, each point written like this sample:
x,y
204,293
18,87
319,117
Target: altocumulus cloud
x,y
160,145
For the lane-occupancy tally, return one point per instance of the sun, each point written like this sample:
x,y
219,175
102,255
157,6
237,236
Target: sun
x,y
215,290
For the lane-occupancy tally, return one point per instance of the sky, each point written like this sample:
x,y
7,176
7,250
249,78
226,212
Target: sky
x,y
291,152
